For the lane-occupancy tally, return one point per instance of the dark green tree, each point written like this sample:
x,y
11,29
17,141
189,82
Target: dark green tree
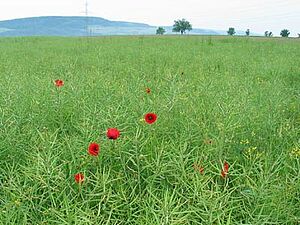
x,y
231,31
270,34
182,26
160,31
247,32
266,33
285,33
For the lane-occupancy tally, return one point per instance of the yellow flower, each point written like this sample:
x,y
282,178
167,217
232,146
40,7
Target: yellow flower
x,y
295,151
17,203
252,152
244,142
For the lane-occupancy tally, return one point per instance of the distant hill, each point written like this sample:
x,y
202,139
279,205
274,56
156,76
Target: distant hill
x,y
81,26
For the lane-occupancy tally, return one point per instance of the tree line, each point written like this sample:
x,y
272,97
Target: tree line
x,y
283,33
181,26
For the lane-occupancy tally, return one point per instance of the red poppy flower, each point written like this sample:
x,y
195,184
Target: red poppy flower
x,y
223,174
59,83
150,118
225,170
94,149
79,178
226,167
148,90
198,168
113,133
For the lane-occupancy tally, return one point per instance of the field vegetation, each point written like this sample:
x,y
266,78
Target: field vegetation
x,y
224,149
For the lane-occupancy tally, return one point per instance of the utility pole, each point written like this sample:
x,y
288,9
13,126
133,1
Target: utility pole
x,y
86,18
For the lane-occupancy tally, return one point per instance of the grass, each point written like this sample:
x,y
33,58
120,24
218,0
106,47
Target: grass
x,y
217,99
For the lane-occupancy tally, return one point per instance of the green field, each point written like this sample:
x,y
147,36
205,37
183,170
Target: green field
x,y
217,99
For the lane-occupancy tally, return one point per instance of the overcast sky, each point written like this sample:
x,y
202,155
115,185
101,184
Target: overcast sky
x,y
257,15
